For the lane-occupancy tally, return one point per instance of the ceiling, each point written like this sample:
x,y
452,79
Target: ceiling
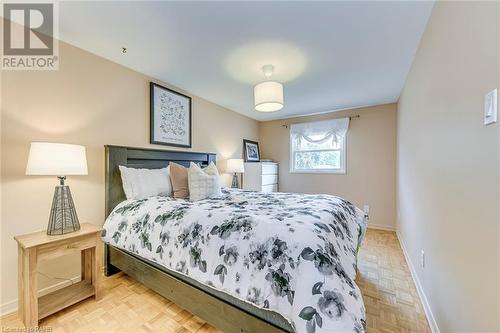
x,y
329,55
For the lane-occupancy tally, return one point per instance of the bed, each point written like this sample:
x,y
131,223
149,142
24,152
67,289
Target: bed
x,y
236,261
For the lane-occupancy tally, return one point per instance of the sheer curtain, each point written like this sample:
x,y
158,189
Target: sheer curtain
x,y
319,133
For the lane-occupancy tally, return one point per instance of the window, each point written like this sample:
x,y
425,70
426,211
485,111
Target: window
x,y
318,146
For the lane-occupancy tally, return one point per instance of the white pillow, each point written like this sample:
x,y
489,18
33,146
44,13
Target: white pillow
x,y
145,183
203,183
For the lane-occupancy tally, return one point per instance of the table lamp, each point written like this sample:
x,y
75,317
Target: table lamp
x,y
235,165
61,160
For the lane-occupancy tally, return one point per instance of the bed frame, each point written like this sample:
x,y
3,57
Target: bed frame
x,y
216,311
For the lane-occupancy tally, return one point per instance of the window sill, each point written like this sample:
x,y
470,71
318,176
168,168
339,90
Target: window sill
x,y
335,172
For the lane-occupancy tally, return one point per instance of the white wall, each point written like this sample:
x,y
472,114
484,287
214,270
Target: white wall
x,y
448,165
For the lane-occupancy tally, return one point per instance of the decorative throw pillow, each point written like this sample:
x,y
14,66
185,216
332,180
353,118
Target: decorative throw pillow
x,y
145,183
179,178
203,183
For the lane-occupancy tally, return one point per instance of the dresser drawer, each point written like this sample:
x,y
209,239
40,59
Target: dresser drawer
x,y
269,169
269,179
261,176
270,188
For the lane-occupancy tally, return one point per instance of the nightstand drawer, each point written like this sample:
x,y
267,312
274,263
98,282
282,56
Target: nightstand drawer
x,y
62,247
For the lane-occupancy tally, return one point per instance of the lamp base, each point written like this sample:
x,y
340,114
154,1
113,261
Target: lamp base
x,y
235,183
63,218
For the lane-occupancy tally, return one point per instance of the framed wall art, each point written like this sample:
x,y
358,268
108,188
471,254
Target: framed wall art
x,y
170,117
251,151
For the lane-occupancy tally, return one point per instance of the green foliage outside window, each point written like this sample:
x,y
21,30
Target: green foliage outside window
x,y
327,159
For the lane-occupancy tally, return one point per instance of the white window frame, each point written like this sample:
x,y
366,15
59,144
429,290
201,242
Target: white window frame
x,y
341,170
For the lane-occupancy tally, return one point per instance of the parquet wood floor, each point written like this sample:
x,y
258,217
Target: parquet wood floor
x,y
391,300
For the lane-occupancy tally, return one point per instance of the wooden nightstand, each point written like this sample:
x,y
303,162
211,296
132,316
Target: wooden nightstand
x,y
36,246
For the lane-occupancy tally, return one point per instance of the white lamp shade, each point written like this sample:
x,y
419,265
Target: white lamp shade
x,y
235,165
268,96
56,159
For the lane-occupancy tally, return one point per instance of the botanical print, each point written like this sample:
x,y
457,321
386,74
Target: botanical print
x,y
171,114
173,117
294,254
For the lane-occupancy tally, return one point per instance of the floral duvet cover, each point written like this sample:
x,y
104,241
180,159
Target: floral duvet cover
x,y
294,254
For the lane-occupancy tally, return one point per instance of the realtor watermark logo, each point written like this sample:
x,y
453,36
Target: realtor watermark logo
x,y
30,36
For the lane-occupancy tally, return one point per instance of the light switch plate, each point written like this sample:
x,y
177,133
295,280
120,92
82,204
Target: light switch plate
x,y
490,107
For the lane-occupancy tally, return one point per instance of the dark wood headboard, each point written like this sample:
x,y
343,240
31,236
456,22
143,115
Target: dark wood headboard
x,y
142,158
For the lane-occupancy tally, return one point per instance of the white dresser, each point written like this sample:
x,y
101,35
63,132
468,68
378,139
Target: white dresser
x,y
261,176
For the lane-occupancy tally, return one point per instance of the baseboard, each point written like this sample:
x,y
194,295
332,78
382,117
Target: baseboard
x,y
381,227
423,299
11,306
8,307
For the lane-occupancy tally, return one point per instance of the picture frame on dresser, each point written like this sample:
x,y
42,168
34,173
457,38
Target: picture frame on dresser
x,y
251,151
170,117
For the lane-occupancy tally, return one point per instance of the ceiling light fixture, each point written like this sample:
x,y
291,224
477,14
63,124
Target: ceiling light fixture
x,y
268,95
